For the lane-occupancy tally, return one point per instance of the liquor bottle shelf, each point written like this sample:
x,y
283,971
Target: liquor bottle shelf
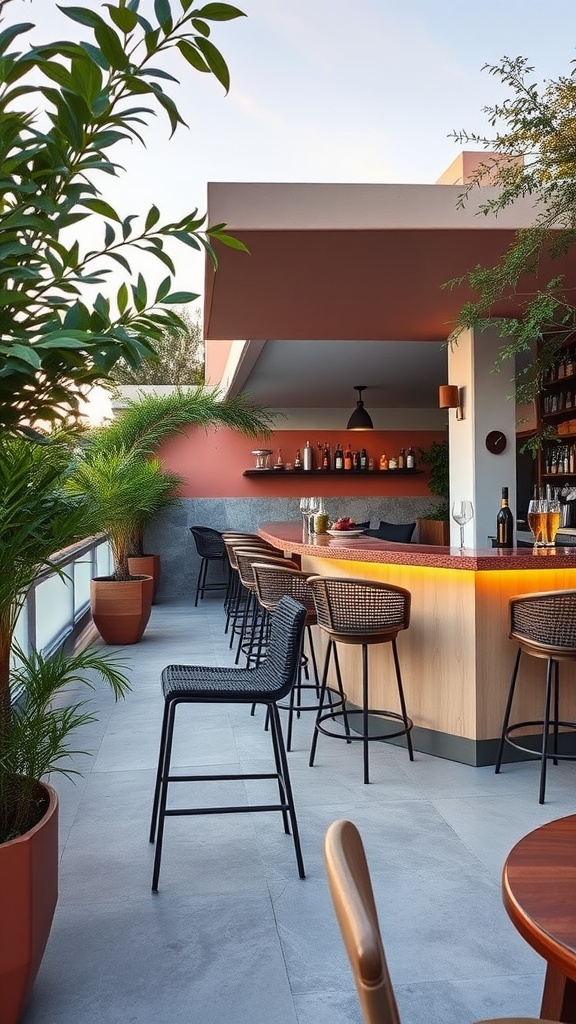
x,y
332,472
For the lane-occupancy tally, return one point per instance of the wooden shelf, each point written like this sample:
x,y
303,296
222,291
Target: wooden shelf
x,y
356,473
553,476
560,413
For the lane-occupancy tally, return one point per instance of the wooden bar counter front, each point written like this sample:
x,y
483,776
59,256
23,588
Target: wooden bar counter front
x,y
456,657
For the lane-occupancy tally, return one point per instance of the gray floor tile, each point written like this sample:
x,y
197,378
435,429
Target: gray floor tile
x,y
233,934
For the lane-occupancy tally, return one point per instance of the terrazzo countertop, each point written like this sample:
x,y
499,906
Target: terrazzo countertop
x,y
290,537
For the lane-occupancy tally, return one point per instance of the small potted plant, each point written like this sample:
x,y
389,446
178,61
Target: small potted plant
x,y
435,527
122,491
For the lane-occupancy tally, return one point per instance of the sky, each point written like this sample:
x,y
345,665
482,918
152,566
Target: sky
x,y
328,91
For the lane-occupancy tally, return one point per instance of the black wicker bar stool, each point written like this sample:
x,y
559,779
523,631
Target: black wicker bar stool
x,y
267,684
253,618
365,613
544,626
272,582
210,547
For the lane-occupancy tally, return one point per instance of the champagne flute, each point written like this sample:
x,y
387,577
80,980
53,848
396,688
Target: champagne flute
x,y
462,513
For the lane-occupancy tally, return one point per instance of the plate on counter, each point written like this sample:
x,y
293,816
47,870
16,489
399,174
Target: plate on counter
x,y
345,533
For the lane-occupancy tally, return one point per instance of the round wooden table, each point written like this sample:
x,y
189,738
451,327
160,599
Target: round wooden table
x,y
539,892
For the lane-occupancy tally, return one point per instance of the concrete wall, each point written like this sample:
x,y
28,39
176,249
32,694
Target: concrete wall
x,y
170,534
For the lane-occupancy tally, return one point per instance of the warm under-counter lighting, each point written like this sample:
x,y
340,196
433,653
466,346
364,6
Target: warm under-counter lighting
x,y
450,397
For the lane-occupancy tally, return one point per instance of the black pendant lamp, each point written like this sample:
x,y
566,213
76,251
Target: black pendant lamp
x,y
360,420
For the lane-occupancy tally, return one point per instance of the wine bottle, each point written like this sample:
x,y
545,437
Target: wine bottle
x,y
363,459
348,461
338,457
505,523
326,457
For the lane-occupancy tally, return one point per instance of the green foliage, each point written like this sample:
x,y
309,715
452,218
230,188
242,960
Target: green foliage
x,y
123,481
179,358
437,457
535,145
151,419
93,95
36,743
122,491
37,518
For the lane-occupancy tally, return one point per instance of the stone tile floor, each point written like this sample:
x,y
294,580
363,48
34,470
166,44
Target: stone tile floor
x,y
233,934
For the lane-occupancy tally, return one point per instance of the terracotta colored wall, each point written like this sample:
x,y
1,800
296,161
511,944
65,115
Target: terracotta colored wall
x,y
212,463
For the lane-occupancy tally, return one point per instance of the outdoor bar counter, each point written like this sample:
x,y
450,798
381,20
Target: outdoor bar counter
x,y
456,657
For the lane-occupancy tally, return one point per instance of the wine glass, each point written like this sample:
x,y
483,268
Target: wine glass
x,y
305,509
462,513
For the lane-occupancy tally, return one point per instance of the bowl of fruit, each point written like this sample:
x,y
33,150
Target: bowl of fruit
x,y
344,527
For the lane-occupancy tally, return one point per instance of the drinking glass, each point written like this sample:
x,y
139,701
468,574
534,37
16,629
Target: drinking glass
x,y
305,508
313,508
537,521
553,518
462,513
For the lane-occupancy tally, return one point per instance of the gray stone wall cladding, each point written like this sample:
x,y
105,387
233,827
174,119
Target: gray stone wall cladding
x,y
170,536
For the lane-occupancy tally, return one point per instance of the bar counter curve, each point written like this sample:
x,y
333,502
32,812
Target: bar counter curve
x,y
456,656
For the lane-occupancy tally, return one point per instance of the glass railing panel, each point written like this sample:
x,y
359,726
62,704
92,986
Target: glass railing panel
x,y
54,609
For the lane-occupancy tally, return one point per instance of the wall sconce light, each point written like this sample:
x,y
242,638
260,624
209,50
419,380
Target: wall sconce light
x,y
450,397
360,420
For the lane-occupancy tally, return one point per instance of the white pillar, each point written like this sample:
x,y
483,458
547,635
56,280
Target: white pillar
x,y
488,404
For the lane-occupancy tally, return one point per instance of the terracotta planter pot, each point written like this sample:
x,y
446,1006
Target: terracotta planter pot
x,y
146,565
121,609
28,896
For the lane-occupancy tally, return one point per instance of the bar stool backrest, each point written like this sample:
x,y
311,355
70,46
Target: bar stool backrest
x,y
363,607
282,663
273,580
546,620
246,557
209,543
353,899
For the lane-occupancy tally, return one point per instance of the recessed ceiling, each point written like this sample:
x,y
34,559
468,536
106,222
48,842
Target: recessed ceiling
x,y
323,374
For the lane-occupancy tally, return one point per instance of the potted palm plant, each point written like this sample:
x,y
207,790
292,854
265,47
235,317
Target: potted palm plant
x,y
122,491
141,428
38,518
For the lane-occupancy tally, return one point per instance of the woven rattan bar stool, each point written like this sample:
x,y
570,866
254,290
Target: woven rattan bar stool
x,y
238,595
544,626
267,684
360,612
272,582
253,617
210,547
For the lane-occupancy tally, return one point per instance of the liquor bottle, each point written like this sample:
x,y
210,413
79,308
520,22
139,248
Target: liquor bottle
x,y
297,460
348,461
326,457
338,457
319,455
505,523
410,458
307,457
279,461
383,462
402,458
356,461
363,459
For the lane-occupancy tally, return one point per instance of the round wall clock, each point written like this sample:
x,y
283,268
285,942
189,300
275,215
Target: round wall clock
x,y
496,442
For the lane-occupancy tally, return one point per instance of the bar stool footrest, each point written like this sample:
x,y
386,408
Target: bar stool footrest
x,y
538,753
336,700
387,715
